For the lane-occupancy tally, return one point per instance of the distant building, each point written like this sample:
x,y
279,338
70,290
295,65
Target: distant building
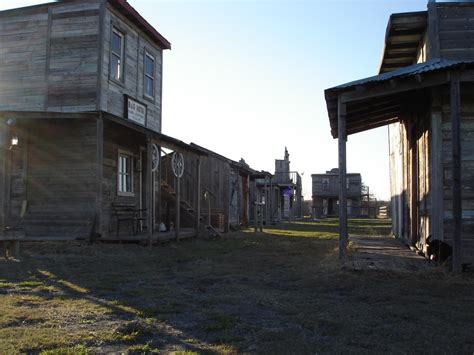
x,y
326,194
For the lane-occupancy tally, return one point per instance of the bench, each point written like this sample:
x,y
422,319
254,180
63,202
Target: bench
x,y
130,214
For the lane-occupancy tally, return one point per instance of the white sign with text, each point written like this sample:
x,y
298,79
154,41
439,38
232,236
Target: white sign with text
x,y
136,111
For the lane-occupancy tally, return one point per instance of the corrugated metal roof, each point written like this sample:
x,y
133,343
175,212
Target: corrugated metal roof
x,y
412,70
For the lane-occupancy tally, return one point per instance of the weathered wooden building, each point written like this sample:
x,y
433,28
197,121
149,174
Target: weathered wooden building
x,y
80,118
224,188
289,199
325,194
424,92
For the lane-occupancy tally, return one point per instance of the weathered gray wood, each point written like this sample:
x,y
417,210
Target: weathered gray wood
x,y
3,151
198,195
436,168
433,31
413,181
342,180
99,174
177,208
455,101
149,190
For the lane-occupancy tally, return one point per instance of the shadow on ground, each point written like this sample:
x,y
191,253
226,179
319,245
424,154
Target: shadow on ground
x,y
280,291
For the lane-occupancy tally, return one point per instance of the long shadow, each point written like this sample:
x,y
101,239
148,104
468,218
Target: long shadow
x,y
251,293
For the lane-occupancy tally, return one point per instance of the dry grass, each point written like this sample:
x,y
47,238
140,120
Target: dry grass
x,y
280,291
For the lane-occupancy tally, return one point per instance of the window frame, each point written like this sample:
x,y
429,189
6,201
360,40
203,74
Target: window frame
x,y
124,153
121,80
149,54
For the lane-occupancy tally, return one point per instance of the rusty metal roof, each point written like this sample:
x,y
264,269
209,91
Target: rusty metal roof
x,y
411,70
365,114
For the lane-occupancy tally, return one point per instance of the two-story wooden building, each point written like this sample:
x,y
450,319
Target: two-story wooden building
x,y
325,194
80,117
424,91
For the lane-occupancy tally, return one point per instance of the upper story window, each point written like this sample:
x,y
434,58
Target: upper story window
x,y
325,183
116,55
149,81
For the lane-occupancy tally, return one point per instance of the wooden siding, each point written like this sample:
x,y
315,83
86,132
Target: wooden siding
x,y
456,30
55,57
117,138
72,62
53,171
467,177
354,189
23,52
112,92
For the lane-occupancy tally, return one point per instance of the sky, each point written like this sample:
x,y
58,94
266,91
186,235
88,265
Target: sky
x,y
246,78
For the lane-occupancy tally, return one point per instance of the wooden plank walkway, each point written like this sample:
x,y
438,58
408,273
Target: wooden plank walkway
x,y
383,253
157,237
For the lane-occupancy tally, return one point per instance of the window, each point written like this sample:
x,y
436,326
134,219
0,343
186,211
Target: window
x,y
116,55
348,183
325,183
149,81
125,174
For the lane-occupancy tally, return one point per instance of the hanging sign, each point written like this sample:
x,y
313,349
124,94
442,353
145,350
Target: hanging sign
x,y
177,163
135,110
155,157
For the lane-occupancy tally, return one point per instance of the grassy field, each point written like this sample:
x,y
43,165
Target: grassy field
x,y
280,291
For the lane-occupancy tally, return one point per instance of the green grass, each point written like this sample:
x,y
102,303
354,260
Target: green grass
x,y
280,291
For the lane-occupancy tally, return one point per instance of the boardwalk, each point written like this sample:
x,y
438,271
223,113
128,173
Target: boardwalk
x,y
383,253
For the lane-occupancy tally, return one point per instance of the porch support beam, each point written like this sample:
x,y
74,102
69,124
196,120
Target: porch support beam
x,y
198,195
456,154
149,190
342,137
99,173
3,155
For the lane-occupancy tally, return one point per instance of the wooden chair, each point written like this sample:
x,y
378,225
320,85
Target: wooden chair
x,y
128,213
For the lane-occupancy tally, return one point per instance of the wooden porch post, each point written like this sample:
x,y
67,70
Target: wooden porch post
x,y
414,181
342,137
100,173
3,151
198,195
149,190
456,153
177,208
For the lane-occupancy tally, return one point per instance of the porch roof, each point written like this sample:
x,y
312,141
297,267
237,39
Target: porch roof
x,y
379,100
164,140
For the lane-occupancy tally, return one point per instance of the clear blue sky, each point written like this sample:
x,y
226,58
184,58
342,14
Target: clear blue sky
x,y
246,78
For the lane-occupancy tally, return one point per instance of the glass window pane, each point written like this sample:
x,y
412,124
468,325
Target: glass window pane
x,y
116,43
149,86
115,67
149,66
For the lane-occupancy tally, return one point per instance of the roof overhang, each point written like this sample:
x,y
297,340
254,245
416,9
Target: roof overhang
x,y
381,100
131,14
162,139
403,38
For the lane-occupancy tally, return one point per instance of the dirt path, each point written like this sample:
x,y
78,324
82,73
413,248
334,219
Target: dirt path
x,y
279,292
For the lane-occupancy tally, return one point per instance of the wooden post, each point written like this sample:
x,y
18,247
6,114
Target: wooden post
x,y
3,151
178,205
255,217
99,172
436,168
198,195
414,182
149,190
158,192
456,153
342,181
